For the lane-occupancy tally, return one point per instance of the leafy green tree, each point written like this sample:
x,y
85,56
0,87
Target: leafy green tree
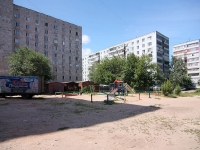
x,y
26,62
178,73
177,90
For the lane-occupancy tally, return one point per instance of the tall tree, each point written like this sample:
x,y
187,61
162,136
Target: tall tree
x,y
26,62
178,73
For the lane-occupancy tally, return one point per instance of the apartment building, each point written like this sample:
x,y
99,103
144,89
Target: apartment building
x,y
154,44
58,40
190,53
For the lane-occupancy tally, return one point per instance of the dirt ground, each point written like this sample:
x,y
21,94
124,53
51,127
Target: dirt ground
x,y
74,123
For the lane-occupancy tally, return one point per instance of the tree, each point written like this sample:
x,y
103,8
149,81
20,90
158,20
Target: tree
x,y
167,88
26,62
178,73
107,71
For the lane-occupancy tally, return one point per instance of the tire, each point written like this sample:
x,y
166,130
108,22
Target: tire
x,y
25,96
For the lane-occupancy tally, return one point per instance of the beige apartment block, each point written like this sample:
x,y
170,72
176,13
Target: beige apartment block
x,y
58,40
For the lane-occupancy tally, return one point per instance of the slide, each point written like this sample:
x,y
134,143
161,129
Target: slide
x,y
113,91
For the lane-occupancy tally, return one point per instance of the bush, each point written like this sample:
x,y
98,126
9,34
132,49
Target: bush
x,y
177,90
197,90
84,89
167,88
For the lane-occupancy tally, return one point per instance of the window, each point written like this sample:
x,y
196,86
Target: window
x,y
77,39
27,26
76,33
55,41
77,65
149,49
76,58
55,27
46,46
70,31
55,48
63,36
143,40
138,52
143,45
36,37
70,51
149,38
16,40
76,46
62,56
55,55
46,24
132,48
37,21
56,34
55,69
76,71
36,44
149,44
77,52
46,31
70,44
46,54
63,43
17,16
132,43
15,49
55,62
69,57
16,32
27,19
138,47
45,39
76,78
27,43
63,76
27,34
137,41
143,51
69,77
70,64
36,29
63,50
16,24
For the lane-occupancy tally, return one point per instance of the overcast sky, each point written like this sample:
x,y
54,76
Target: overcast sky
x,y
109,22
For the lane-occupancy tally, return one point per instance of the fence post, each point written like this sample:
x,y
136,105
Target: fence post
x,y
139,96
91,98
149,95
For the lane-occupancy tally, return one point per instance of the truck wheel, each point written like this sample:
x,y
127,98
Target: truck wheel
x,y
25,96
3,95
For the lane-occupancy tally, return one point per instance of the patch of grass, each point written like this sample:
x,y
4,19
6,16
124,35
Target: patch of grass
x,y
4,104
57,104
155,106
63,128
157,98
78,111
189,94
194,131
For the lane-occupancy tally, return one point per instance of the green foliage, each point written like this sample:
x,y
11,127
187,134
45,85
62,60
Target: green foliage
x,y
197,91
178,73
26,62
84,89
167,88
177,90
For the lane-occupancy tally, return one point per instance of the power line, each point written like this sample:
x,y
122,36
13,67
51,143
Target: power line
x,y
34,5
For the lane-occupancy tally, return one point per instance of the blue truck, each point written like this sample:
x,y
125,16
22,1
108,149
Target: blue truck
x,y
26,86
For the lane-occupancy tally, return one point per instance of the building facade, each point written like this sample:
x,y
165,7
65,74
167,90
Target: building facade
x,y
154,44
58,40
190,53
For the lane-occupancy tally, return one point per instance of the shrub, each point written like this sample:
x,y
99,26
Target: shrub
x,y
167,88
84,89
177,90
197,90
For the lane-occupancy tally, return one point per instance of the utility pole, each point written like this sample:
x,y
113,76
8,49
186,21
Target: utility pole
x,y
125,45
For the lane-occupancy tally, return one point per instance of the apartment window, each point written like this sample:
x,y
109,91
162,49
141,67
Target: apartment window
x,y
149,44
137,41
63,36
55,69
62,56
16,24
63,43
77,52
143,51
56,34
55,62
70,31
76,71
15,49
46,24
76,78
17,16
76,33
70,64
37,21
27,26
76,58
36,37
55,27
36,29
27,43
55,48
36,44
76,46
70,78
77,65
16,40
63,29
27,19
132,48
63,50
55,41
70,44
16,32
77,39
62,63
149,38
46,54
45,39
27,34
149,49
69,57
138,52
46,46
143,40
143,45
55,55
46,31
138,47
132,43
70,51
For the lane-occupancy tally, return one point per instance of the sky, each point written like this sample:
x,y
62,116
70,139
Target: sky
x,y
106,23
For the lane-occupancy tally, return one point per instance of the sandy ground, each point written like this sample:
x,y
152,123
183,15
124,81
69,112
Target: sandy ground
x,y
74,123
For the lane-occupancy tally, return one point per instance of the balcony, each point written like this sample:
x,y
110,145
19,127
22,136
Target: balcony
x,y
193,71
159,40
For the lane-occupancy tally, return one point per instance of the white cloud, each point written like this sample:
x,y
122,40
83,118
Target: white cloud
x,y
85,39
86,51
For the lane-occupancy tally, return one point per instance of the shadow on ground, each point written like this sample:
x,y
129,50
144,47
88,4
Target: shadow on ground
x,y
20,118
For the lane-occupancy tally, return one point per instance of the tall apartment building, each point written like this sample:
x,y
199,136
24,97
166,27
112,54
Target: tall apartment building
x,y
190,53
154,44
58,40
